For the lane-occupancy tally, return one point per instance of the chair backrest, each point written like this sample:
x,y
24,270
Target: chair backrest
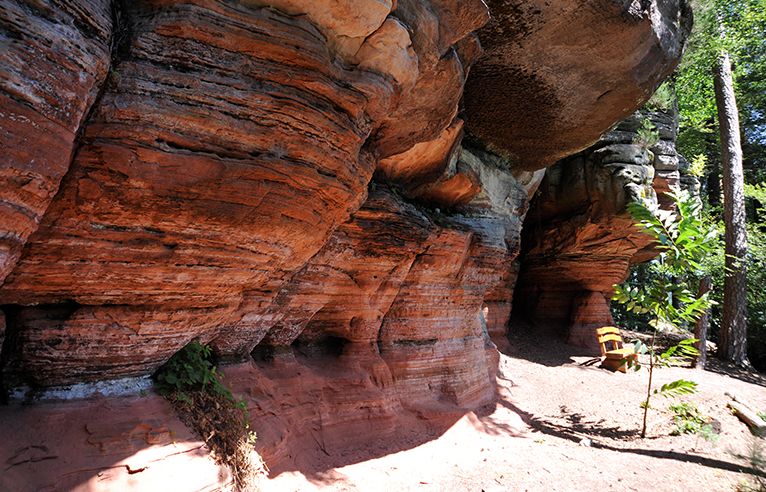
x,y
609,335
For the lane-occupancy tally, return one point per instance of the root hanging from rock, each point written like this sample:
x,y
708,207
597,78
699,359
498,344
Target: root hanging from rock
x,y
223,424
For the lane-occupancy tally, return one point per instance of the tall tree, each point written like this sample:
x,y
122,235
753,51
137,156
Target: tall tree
x,y
733,336
727,30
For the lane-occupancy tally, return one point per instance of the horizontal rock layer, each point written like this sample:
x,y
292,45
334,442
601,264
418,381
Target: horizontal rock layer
x,y
228,144
54,58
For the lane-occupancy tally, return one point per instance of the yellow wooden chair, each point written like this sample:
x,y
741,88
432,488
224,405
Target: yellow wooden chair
x,y
616,356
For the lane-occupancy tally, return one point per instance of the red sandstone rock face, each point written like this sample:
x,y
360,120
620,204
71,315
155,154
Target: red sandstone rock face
x,y
431,105
579,241
229,142
175,202
177,194
556,74
54,57
219,190
410,282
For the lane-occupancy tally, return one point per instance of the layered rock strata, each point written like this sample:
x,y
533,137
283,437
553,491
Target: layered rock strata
x,y
228,144
54,58
291,177
578,238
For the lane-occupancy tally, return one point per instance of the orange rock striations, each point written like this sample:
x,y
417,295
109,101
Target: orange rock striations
x,y
54,58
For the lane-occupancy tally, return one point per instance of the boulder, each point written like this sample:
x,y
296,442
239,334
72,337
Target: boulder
x,y
556,74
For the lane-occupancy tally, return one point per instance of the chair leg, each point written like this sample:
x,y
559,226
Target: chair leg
x,y
615,365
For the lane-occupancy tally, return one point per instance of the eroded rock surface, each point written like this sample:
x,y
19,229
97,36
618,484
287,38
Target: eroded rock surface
x,y
557,73
422,288
126,443
230,141
54,57
290,177
578,238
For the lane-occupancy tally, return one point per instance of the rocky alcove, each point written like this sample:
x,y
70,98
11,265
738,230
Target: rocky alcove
x,y
343,189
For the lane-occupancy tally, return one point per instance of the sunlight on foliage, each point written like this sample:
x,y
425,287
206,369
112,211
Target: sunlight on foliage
x,y
689,420
682,238
647,135
663,99
698,165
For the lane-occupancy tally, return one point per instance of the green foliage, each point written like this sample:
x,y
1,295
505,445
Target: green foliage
x,y
756,275
683,239
738,28
190,369
689,420
647,134
756,192
193,385
677,388
663,99
698,165
685,349
756,300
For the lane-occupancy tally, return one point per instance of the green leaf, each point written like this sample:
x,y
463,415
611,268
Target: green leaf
x,y
678,388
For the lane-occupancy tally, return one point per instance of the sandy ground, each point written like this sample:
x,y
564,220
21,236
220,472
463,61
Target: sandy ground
x,y
550,405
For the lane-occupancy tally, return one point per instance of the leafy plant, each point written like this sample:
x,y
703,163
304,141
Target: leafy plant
x,y
663,99
698,165
689,420
647,134
682,238
190,369
192,383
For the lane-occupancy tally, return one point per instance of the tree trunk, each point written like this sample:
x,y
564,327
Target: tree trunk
x,y
733,337
701,328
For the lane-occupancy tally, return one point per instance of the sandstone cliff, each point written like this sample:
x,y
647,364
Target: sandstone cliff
x,y
291,177
578,239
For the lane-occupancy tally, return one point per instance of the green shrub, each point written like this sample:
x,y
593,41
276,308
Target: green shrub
x,y
689,420
191,382
190,369
663,99
647,135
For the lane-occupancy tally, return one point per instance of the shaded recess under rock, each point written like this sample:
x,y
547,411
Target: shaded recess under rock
x,y
578,239
556,74
291,177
